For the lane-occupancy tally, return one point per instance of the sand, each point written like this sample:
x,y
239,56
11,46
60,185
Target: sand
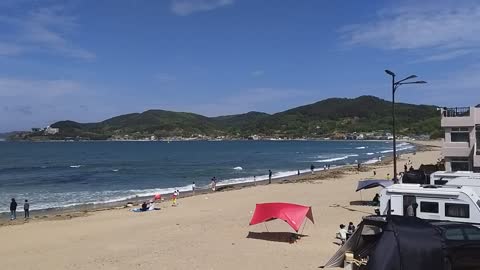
x,y
203,232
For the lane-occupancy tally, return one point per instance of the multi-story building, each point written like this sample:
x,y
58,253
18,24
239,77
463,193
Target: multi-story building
x,y
461,146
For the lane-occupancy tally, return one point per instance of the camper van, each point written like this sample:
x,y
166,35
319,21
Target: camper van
x,y
461,204
443,177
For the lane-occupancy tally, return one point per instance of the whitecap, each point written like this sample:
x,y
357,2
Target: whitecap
x,y
337,158
238,168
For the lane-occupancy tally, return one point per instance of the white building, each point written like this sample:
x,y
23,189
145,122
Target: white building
x,y
51,131
461,146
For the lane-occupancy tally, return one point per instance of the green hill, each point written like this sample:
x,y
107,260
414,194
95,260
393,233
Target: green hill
x,y
320,119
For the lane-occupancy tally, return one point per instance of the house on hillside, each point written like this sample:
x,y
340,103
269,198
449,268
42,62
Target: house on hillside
x,y
461,146
51,131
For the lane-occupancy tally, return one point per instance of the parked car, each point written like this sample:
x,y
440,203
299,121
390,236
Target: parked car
x,y
462,242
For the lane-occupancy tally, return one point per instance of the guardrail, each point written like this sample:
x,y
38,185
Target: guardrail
x,y
456,112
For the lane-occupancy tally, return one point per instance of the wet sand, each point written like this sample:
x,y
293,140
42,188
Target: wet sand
x,y
208,231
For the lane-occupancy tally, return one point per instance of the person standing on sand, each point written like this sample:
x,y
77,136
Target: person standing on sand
x,y
193,188
388,176
269,176
214,183
312,169
174,198
13,209
298,172
254,180
26,209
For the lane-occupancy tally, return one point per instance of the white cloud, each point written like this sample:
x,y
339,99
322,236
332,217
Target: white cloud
x,y
187,7
36,88
448,55
258,73
448,31
165,77
45,30
7,49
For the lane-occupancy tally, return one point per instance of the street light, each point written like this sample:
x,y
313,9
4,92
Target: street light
x,y
395,85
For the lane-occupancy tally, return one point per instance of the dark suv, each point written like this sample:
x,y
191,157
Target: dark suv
x,y
462,245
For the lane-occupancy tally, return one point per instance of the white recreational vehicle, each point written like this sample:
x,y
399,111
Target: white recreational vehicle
x,y
443,177
460,204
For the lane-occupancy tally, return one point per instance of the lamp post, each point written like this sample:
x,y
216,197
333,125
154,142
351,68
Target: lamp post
x,y
395,85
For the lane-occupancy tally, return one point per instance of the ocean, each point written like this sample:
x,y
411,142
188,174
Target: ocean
x,y
62,174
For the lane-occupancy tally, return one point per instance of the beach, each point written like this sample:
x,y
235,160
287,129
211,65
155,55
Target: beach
x,y
207,231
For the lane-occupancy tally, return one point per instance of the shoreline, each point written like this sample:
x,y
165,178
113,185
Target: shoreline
x,y
89,208
209,231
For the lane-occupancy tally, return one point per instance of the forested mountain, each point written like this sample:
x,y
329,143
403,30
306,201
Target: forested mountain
x,y
320,119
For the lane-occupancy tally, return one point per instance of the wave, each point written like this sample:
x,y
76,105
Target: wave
x,y
336,158
369,154
238,168
75,166
371,161
72,199
361,147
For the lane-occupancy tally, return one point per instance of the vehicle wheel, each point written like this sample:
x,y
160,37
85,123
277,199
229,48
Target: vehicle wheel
x,y
448,264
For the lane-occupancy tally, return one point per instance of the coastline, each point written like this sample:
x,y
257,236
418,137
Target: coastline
x,y
87,209
208,231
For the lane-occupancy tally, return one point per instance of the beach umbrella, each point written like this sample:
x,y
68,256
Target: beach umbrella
x,y
367,184
293,214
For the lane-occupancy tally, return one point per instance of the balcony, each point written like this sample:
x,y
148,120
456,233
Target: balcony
x,y
457,117
457,149
456,112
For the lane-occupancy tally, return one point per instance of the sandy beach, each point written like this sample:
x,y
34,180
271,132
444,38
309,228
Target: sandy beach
x,y
207,231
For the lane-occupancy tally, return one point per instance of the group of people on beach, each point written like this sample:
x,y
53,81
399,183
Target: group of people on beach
x,y
406,168
345,232
13,209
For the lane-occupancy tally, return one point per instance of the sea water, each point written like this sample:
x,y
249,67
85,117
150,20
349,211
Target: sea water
x,y
61,174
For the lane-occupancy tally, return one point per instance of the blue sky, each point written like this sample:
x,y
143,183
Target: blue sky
x,y
90,60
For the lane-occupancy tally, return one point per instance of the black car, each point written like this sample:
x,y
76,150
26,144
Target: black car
x,y
462,245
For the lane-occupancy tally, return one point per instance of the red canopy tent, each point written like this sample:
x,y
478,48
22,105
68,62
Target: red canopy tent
x,y
293,214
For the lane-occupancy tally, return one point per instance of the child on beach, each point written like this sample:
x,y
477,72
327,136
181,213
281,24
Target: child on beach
x,y
174,198
144,206
342,234
193,188
214,183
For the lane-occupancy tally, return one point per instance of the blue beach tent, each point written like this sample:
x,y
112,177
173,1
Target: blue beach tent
x,y
371,183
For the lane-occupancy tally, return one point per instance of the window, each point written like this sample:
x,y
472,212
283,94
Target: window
x,y
457,210
429,207
460,134
454,234
472,233
460,165
460,137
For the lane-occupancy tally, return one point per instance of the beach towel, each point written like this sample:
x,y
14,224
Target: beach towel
x,y
138,210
